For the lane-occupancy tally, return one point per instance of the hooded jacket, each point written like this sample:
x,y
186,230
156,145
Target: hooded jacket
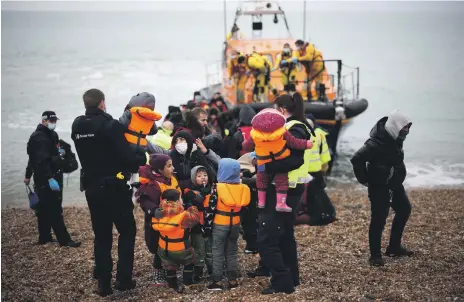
x,y
383,153
244,126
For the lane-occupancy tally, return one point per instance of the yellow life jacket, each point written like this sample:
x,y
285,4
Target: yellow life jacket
x,y
173,237
270,146
142,120
231,199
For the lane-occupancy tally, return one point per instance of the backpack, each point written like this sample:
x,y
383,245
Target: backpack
x,y
69,163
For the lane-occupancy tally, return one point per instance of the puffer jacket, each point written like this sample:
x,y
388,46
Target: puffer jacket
x,y
381,160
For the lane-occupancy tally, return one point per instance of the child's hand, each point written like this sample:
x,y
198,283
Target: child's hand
x,y
200,145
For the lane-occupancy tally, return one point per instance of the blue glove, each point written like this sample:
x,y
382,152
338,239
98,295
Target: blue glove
x,y
253,154
53,184
283,63
261,168
294,60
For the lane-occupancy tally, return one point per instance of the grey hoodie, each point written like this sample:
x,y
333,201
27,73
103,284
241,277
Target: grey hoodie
x,y
395,122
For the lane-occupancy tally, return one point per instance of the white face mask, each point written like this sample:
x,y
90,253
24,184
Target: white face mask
x,y
233,57
51,126
181,148
286,50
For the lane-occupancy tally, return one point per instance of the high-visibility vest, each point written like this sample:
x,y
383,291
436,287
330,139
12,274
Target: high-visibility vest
x,y
142,120
299,176
324,148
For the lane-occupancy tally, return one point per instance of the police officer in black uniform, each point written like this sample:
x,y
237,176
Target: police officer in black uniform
x,y
45,163
107,161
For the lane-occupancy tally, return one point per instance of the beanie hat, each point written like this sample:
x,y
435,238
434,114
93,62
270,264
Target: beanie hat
x,y
158,161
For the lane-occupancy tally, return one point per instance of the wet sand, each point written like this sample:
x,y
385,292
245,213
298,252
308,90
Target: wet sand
x,y
333,259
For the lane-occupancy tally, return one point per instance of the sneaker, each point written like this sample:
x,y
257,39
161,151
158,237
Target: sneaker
x,y
123,286
252,251
233,284
159,277
376,261
175,284
215,286
398,252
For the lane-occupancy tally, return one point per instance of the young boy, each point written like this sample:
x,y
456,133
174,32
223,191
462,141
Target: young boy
x,y
174,246
227,199
198,193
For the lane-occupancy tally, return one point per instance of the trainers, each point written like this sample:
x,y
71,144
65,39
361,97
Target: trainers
x,y
215,286
249,250
159,277
376,261
398,252
233,284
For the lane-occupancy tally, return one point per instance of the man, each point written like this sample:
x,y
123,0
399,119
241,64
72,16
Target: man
x,y
196,123
238,74
286,66
384,176
234,34
305,54
45,163
107,161
260,66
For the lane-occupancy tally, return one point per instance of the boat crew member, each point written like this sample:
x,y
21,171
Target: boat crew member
x,y
238,75
107,161
260,67
305,55
286,66
46,161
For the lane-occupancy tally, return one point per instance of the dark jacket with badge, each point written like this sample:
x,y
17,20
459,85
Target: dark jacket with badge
x,y
102,148
381,160
44,160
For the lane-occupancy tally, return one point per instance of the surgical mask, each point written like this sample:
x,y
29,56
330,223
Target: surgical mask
x,y
286,50
51,126
181,148
198,98
233,57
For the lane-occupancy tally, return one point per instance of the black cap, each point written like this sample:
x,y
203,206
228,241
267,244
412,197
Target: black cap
x,y
49,115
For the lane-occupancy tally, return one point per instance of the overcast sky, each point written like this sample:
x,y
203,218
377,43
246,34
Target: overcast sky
x,y
217,5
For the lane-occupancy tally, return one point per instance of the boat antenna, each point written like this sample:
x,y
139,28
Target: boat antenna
x,y
225,19
285,20
304,20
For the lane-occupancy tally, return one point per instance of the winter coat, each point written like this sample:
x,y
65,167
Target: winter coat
x,y
383,153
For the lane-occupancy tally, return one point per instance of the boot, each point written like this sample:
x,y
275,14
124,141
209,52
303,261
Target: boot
x,y
104,289
261,199
159,277
376,261
125,285
260,271
188,275
198,274
281,204
398,252
172,282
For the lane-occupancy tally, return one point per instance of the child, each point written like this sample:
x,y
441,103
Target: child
x,y
155,178
227,199
174,246
198,195
272,141
139,120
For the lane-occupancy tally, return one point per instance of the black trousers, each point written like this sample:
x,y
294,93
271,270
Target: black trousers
x,y
108,205
50,215
382,198
276,240
250,221
151,240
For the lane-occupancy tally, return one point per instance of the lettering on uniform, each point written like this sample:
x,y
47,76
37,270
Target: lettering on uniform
x,y
79,136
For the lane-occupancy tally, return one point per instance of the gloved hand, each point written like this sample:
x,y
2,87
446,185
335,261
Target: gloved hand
x,y
189,196
253,154
158,213
273,69
261,168
283,63
294,60
53,185
62,152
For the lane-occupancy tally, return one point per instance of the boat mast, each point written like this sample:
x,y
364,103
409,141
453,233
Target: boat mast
x,y
304,20
225,19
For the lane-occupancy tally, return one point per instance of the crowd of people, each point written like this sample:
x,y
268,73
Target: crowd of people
x,y
206,176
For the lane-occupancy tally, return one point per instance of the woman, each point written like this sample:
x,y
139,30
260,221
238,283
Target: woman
x,y
276,240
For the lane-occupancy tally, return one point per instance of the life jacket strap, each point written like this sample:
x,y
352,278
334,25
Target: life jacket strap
x,y
271,155
228,214
136,134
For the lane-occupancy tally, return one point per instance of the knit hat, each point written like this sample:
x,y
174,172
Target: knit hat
x,y
246,163
158,161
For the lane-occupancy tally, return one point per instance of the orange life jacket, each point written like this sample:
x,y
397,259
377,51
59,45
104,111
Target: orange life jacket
x,y
231,199
270,146
173,237
142,120
163,187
